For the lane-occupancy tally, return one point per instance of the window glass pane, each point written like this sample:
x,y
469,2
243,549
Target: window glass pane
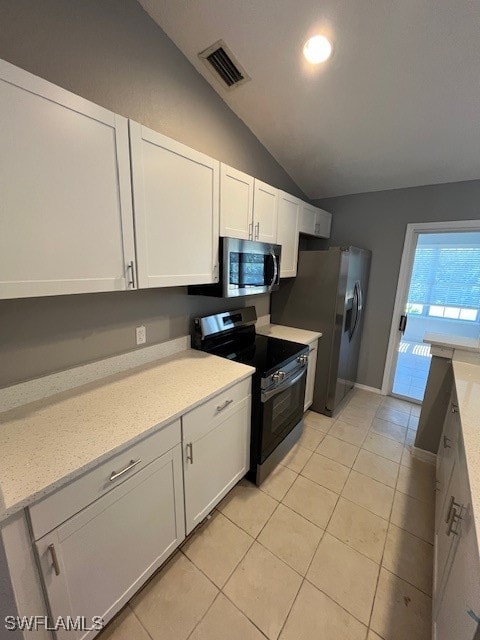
x,y
468,314
451,312
436,311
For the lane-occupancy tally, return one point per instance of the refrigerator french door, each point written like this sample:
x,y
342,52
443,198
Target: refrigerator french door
x,y
328,295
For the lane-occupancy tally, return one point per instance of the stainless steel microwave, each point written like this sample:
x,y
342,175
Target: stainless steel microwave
x,y
246,268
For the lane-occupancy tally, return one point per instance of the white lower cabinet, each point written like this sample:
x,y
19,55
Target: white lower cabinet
x,y
216,451
95,561
312,366
456,588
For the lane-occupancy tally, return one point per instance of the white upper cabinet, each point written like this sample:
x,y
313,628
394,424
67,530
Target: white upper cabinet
x,y
175,196
248,207
236,203
315,221
265,212
287,236
65,209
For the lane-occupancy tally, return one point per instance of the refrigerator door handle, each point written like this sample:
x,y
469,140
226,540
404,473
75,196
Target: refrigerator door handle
x,y
357,304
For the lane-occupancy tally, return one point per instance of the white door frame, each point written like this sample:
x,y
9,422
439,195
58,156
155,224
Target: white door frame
x,y
406,265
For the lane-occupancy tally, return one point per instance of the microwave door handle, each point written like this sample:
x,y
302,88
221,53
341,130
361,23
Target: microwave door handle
x,y
275,270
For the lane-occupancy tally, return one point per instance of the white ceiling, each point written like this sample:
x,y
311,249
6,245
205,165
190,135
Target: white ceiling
x,y
398,104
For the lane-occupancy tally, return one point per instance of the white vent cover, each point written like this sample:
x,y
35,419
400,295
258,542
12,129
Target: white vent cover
x,y
222,63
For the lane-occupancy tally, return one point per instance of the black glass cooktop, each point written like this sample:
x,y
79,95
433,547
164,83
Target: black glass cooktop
x,y
266,354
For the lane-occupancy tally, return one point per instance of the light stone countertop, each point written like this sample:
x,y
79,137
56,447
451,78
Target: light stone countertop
x,y
466,371
288,333
47,443
453,342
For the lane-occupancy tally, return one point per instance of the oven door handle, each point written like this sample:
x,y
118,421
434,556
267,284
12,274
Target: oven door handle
x,y
267,395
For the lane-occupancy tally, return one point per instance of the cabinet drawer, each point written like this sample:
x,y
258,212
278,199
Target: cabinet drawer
x,y
203,419
48,513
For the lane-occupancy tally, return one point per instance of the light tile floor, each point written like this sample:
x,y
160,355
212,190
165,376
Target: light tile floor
x,y
336,544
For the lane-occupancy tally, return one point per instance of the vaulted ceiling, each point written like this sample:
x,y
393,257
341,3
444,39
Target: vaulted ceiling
x,y
397,105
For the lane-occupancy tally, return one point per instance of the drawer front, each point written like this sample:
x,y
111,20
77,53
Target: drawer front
x,y
48,513
207,416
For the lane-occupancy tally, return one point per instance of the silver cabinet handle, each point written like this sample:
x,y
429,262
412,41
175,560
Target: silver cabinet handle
x,y
452,504
454,408
223,406
53,554
131,271
454,519
116,474
445,443
250,231
190,455
257,230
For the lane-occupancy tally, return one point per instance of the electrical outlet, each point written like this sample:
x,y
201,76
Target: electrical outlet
x,y
141,333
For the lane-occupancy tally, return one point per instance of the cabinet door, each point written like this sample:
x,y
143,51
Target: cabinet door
x,y
460,609
105,552
215,462
447,451
265,212
175,196
236,203
308,219
287,234
312,366
66,219
323,223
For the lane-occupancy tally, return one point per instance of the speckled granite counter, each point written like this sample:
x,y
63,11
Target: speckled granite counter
x,y
466,372
46,443
288,333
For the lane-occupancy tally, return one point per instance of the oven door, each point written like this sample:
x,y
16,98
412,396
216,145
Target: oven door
x,y
249,267
282,410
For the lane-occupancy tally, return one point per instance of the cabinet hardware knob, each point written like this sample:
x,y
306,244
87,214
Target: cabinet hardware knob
x,y
116,474
223,406
454,408
53,555
445,443
190,455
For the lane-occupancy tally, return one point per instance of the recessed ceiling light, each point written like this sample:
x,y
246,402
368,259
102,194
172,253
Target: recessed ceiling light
x,y
317,49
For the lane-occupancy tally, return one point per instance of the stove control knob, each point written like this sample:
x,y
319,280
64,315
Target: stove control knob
x,y
303,360
282,375
276,377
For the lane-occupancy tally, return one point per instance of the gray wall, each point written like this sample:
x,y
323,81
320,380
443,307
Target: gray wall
x,y
112,53
377,221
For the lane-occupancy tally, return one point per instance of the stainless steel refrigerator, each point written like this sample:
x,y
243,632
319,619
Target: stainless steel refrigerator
x,y
328,295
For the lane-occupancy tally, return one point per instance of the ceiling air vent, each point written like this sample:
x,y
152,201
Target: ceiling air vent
x,y
220,60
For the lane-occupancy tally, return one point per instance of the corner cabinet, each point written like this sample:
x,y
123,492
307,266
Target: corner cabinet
x,y
287,236
315,221
216,450
175,196
66,215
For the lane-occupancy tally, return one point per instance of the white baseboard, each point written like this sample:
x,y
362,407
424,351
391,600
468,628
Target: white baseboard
x,y
364,387
426,456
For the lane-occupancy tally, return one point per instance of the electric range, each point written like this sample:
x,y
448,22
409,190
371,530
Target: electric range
x,y
278,385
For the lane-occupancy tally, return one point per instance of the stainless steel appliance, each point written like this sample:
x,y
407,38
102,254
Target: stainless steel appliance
x,y
278,385
246,268
328,295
